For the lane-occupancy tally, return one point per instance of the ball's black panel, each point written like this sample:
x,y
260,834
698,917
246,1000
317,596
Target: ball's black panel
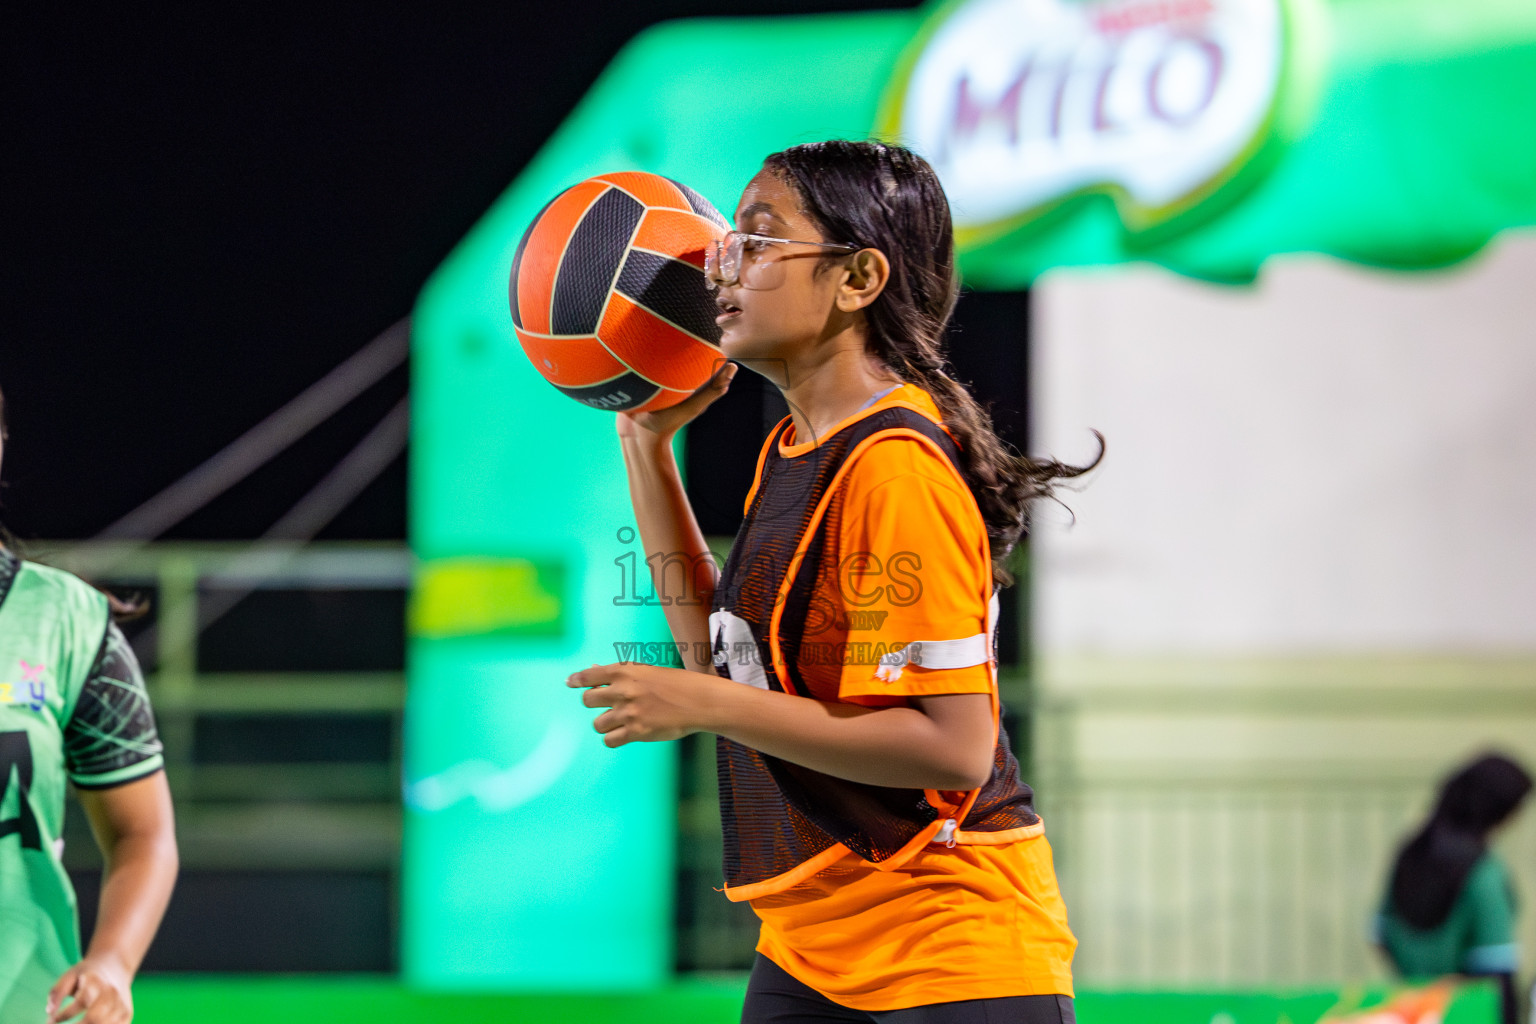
x,y
673,290
622,392
591,262
701,206
517,263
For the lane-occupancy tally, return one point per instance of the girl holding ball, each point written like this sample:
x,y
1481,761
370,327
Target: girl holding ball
x,y
872,811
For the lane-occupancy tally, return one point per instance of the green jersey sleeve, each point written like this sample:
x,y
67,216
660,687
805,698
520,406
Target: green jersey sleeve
x,y
1491,944
111,737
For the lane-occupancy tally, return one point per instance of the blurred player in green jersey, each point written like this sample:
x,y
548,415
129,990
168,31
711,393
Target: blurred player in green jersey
x,y
73,710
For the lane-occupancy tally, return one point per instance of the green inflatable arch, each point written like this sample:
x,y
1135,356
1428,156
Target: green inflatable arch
x,y
1398,133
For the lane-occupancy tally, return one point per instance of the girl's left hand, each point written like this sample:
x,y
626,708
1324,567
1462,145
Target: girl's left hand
x,y
96,988
647,703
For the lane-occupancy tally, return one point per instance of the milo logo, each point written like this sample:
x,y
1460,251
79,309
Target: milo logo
x,y
1021,103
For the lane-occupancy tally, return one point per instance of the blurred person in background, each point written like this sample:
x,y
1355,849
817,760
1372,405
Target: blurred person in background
x,y
1450,904
73,710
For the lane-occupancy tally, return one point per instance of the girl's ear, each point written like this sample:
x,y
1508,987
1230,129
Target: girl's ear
x,y
868,273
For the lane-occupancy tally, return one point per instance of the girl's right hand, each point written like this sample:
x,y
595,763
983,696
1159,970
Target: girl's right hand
x,y
663,423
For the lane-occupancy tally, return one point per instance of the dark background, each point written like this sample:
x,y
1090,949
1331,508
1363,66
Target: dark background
x,y
206,208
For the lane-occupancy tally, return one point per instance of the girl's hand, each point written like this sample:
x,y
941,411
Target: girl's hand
x,y
98,989
647,703
663,423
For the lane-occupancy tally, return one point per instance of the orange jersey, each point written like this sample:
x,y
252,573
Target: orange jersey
x,y
950,923
972,922
913,565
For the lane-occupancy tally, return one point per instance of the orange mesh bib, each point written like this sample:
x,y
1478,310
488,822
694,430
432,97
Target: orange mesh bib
x,y
781,821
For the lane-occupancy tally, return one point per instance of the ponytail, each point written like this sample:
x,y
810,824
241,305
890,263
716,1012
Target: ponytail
x,y
1004,483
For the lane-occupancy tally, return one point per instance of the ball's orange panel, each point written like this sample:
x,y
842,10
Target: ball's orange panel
x,y
546,245
683,235
653,348
650,189
663,399
570,362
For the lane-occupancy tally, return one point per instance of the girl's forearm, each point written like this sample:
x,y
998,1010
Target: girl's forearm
x,y
945,745
683,571
136,886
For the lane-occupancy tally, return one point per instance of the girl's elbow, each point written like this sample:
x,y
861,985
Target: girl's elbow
x,y
976,780
966,775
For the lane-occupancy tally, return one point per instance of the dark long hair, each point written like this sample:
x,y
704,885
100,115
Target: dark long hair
x,y
1434,864
888,198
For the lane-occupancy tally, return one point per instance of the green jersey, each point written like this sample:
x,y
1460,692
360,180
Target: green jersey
x,y
1477,937
72,709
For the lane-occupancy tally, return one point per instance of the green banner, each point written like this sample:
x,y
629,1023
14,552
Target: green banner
x,y
316,1000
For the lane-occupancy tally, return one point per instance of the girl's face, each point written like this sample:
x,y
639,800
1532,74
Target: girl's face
x,y
780,301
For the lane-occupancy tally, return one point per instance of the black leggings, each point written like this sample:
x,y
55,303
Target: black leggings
x,y
774,997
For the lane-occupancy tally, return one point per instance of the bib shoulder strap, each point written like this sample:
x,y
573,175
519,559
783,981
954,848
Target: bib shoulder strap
x,y
766,459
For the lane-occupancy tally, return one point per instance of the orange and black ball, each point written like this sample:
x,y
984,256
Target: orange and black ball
x,y
608,293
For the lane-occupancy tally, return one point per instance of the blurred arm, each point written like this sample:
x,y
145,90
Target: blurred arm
x,y
683,571
135,828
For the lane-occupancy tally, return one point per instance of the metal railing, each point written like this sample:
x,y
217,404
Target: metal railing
x,y
267,814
